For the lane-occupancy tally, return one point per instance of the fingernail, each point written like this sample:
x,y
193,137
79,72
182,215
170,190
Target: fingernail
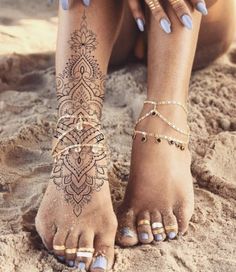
x,y
140,24
165,25
61,258
127,232
80,266
201,7
86,2
187,21
100,263
158,237
65,4
171,235
70,263
143,236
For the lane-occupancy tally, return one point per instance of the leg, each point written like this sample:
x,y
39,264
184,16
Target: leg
x,y
160,188
76,211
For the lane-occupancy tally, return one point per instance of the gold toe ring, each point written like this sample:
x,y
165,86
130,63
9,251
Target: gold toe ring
x,y
71,250
171,227
143,222
59,248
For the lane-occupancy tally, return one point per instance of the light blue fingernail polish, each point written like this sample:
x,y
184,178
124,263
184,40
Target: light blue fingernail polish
x,y
61,258
127,232
65,4
143,236
187,21
70,263
158,237
100,263
165,25
171,235
140,24
86,2
201,7
81,266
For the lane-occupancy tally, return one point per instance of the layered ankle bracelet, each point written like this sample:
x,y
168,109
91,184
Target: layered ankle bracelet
x,y
179,143
78,125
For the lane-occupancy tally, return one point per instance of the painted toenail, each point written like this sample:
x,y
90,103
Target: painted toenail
x,y
171,235
61,258
100,263
80,266
143,236
158,237
127,232
70,263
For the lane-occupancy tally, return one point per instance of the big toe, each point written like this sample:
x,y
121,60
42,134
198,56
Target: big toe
x,y
126,234
104,253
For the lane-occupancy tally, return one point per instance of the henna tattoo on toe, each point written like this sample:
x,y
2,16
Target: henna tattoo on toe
x,y
79,173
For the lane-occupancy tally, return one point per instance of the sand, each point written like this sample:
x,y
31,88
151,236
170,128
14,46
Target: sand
x,y
27,121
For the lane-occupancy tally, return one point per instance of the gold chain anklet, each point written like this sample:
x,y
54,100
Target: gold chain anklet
x,y
181,144
78,126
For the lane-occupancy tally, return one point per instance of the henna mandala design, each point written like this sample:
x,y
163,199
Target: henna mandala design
x,y
80,86
80,96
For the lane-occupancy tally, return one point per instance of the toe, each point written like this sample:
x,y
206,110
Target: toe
x,y
158,230
126,234
85,250
104,254
144,228
170,224
71,247
183,215
47,234
59,244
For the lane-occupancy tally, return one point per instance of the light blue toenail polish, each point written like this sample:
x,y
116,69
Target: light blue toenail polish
x,y
100,263
81,266
70,263
143,236
158,237
165,25
61,258
201,7
140,24
86,2
65,4
187,21
127,232
171,235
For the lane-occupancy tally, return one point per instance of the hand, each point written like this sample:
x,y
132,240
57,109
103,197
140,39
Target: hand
x,y
179,6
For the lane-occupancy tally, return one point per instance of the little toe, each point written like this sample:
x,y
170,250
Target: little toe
x,y
144,228
170,224
59,242
85,250
47,235
126,233
71,247
183,215
104,254
157,226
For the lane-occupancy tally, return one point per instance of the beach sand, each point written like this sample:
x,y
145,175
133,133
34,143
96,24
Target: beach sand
x,y
27,121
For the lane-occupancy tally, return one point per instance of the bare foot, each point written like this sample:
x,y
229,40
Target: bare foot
x,y
76,211
160,188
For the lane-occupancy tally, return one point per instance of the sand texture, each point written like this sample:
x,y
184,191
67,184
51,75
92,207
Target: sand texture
x,y
27,122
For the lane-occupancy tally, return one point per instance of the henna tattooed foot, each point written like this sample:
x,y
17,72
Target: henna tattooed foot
x,y
159,198
76,214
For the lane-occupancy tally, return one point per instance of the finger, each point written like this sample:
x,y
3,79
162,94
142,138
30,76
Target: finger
x,y
137,12
65,4
200,6
160,15
86,2
183,13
